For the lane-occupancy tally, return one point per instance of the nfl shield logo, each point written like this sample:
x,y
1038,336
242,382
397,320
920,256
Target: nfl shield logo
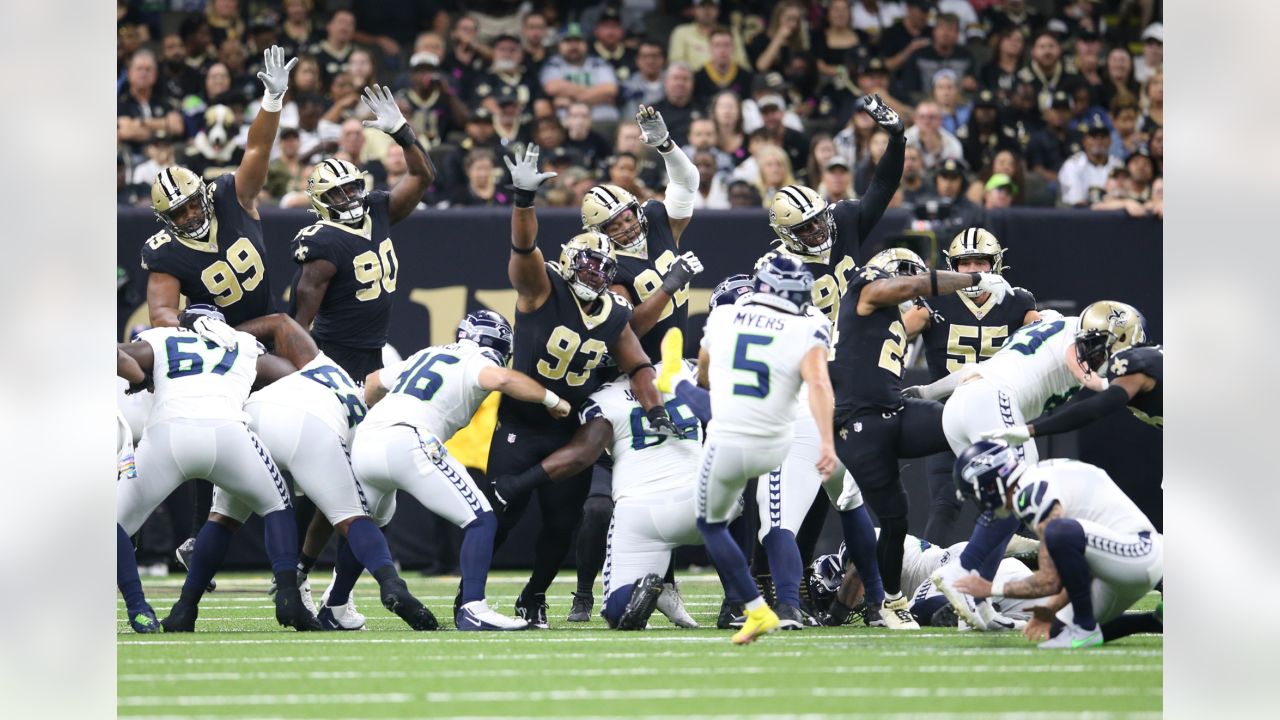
x,y
857,427
511,437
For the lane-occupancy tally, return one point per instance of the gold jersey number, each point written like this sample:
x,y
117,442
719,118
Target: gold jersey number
x,y
970,343
648,282
378,269
894,349
228,280
562,346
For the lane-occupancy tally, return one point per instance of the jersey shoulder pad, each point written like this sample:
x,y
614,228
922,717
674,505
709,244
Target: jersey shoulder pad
x,y
379,200
223,189
311,243
1024,297
153,251
866,275
620,301
1034,502
1130,361
654,210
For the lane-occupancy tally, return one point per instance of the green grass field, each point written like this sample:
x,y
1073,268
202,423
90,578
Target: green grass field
x,y
240,664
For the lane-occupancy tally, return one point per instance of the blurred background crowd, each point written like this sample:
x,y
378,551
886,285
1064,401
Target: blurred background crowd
x,y
1008,102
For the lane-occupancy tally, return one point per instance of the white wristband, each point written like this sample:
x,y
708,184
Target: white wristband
x,y
272,102
551,399
997,590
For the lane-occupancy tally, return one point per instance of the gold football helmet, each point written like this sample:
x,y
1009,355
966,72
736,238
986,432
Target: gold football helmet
x,y
336,188
898,261
802,220
602,204
181,200
588,264
975,242
1106,328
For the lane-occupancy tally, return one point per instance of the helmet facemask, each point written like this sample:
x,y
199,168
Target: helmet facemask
x,y
194,225
810,237
1093,349
593,272
346,202
974,292
631,236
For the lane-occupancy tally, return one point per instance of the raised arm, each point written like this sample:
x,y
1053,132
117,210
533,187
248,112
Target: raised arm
x,y
252,172
388,118
588,443
519,386
888,173
526,268
682,174
163,295
290,340
890,291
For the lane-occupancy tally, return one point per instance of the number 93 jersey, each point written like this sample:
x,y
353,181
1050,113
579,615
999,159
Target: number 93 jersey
x,y
227,269
756,352
356,309
971,332
1032,365
866,372
196,379
435,390
644,462
323,389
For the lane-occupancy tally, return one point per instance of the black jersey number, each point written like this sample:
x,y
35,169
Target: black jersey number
x,y
378,269
563,345
985,342
648,282
894,349
228,280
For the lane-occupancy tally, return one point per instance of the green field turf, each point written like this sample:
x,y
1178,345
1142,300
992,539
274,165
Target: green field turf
x,y
240,664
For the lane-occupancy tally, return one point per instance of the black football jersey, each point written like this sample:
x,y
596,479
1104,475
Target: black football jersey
x,y
971,332
563,348
866,372
831,271
228,269
1148,360
356,309
642,276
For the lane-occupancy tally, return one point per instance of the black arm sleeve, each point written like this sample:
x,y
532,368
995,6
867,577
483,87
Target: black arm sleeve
x,y
1076,415
883,186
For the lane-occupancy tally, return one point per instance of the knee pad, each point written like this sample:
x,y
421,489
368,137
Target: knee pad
x,y
1064,535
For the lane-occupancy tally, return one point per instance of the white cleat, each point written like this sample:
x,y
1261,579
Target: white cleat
x,y
993,621
476,615
1021,546
1074,637
304,589
672,605
897,616
944,579
341,617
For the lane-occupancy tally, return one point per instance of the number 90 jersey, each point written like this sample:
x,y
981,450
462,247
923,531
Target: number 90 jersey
x,y
198,380
435,390
971,333
831,269
356,309
563,347
756,352
323,389
866,372
644,462
1032,365
227,269
642,277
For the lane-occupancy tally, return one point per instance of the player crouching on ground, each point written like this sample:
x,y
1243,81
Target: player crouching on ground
x,y
1099,553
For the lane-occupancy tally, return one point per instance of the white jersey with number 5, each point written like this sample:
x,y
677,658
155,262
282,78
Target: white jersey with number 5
x,y
1032,365
645,463
436,389
196,379
756,352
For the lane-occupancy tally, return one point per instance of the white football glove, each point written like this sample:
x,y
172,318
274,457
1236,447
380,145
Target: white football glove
x,y
524,172
218,333
385,109
994,284
1015,436
275,73
653,129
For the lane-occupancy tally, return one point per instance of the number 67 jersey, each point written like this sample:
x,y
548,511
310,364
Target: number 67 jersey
x,y
198,380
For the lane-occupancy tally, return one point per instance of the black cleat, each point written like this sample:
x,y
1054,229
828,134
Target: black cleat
x,y
183,553
765,584
944,616
872,617
397,599
644,598
581,610
731,616
290,612
533,611
182,618
789,617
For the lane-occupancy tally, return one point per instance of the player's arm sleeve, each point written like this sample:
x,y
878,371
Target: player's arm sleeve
x,y
682,186
1078,413
943,387
884,184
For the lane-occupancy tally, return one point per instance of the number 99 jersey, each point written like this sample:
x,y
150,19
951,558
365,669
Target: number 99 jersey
x,y
356,309
226,269
971,332
642,277
435,390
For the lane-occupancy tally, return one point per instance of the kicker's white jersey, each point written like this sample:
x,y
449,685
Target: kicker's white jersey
x,y
1085,493
436,389
323,389
645,463
133,409
1032,365
756,352
197,379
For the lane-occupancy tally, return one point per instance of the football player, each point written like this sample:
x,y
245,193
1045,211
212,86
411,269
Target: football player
x,y
567,322
197,427
654,275
759,350
343,289
958,329
1099,554
141,617
420,403
875,425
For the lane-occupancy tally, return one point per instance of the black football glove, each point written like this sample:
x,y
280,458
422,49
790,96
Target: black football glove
x,y
147,384
884,115
661,422
682,270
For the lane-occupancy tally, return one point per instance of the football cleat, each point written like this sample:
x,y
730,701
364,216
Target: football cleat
x,y
789,617
340,617
764,583
872,617
672,605
730,613
1022,548
535,612
841,614
581,610
644,600
993,621
396,598
944,578
760,621
183,553
290,612
304,589
477,616
1074,637
144,620
897,616
672,360
182,618
944,616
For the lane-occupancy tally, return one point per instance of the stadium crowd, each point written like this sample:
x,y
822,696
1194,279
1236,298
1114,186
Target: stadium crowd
x,y
1009,102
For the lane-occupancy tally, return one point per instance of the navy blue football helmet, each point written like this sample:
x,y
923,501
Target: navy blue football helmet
x,y
729,290
487,328
784,283
985,470
191,313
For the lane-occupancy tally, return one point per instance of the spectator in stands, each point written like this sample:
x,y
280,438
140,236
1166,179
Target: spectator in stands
x,y
128,193
912,189
142,111
793,142
244,83
720,72
573,76
1024,111
1152,103
351,142
428,103
310,107
494,17
590,145
801,92
161,154
533,41
287,172
361,68
836,42
853,140
702,138
332,52
983,136
609,35
1000,191
645,86
944,52
1156,203
927,136
1056,141
899,42
482,186
1001,73
510,123
1118,78
1083,177
1014,14
821,149
391,26
837,181
865,168
465,61
650,168
743,194
1007,163
198,41
677,107
623,171
508,70
945,93
1046,72
1152,58
749,170
177,79
1156,147
1089,64
873,79
224,20
1125,138
691,42
1083,108
1142,173
873,17
549,133
712,193
786,36
970,27
949,187
300,33
480,135
774,172
726,113
344,97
